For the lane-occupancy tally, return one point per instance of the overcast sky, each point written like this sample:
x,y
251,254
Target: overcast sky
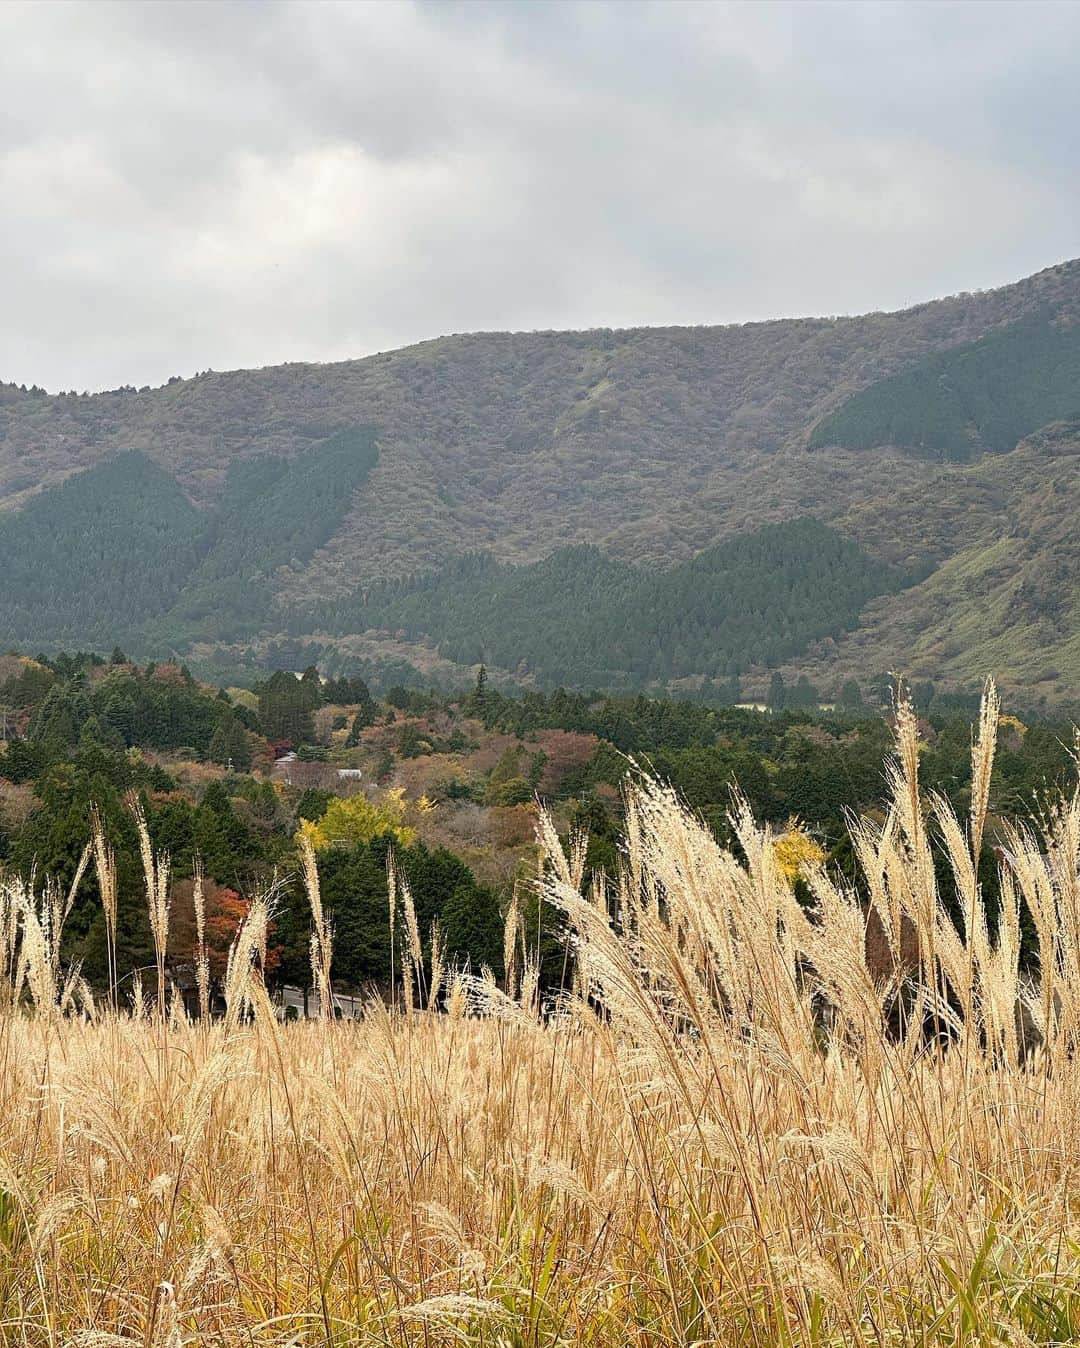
x,y
198,185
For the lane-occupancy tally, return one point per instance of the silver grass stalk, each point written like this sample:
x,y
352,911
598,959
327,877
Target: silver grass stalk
x,y
202,954
438,963
36,967
391,894
80,871
105,865
9,937
322,931
511,928
243,966
412,951
982,764
158,898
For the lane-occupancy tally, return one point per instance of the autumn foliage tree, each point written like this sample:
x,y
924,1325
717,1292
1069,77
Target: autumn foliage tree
x,y
353,820
225,911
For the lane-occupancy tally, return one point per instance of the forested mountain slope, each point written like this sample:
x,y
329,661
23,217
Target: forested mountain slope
x,y
980,397
582,618
120,551
915,436
1006,597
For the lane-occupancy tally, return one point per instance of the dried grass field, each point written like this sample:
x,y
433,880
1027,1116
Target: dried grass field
x,y
731,1129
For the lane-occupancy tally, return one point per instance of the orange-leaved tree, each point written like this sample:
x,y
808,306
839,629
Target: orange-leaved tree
x,y
225,911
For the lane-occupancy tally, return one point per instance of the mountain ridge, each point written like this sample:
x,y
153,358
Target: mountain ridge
x,y
654,444
1054,271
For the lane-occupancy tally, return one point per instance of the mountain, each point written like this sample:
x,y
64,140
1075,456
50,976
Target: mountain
x,y
621,487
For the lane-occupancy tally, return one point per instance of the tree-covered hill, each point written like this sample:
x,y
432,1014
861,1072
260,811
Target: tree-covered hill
x,y
652,443
1004,596
983,396
229,510
119,551
117,540
587,620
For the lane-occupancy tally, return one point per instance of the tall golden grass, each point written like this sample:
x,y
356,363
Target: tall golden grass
x,y
723,1134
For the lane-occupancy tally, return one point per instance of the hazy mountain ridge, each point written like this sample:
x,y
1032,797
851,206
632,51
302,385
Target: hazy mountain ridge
x,y
652,444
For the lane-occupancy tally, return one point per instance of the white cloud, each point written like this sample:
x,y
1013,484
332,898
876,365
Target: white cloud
x,y
238,184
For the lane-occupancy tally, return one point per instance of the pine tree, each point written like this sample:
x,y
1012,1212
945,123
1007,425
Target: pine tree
x,y
230,743
366,710
285,707
478,703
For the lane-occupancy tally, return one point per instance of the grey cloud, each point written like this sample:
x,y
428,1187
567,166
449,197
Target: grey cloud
x,y
238,184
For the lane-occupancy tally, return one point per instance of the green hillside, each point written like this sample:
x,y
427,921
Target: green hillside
x,y
120,552
608,506
587,620
1002,595
983,396
274,513
98,556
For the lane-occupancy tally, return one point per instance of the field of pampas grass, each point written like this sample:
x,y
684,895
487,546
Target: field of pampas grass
x,y
731,1130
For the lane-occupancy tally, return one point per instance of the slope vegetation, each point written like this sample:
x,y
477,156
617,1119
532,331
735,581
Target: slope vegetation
x,y
119,551
983,396
650,443
1004,596
256,507
584,619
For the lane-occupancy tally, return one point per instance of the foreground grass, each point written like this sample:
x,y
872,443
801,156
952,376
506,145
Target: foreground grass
x,y
709,1160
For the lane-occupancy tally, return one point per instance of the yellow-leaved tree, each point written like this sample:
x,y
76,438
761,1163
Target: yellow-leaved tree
x,y
796,853
351,820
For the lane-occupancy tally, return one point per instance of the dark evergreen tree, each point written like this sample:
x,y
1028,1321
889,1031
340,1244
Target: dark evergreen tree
x,y
230,744
57,722
285,708
851,695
